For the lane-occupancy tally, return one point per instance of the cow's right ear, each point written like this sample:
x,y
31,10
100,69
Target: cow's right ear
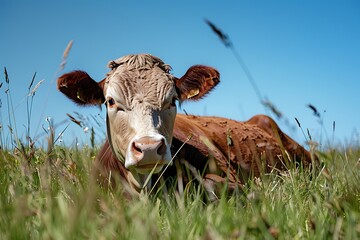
x,y
81,88
197,82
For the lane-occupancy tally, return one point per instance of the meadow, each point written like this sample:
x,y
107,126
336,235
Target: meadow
x,y
50,192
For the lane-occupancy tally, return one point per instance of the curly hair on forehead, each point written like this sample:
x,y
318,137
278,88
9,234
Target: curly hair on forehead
x,y
139,61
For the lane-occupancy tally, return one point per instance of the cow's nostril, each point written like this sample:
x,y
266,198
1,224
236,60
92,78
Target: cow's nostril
x,y
162,148
136,149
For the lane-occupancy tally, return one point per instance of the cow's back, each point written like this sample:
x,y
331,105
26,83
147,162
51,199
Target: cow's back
x,y
240,148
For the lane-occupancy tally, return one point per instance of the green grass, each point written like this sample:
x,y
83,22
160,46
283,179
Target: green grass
x,y
54,196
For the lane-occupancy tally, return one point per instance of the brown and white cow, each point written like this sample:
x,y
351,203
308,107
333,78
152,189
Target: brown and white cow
x,y
144,130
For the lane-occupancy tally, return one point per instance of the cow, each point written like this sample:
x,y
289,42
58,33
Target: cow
x,y
145,133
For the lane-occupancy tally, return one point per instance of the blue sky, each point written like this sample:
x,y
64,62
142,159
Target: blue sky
x,y
298,52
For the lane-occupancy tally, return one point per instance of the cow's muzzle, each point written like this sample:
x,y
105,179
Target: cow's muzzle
x,y
145,153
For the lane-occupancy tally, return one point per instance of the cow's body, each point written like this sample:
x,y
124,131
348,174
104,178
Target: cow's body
x,y
239,150
144,131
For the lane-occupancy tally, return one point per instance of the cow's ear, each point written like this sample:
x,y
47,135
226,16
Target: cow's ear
x,y
197,82
81,88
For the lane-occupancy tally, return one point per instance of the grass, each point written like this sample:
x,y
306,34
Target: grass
x,y
52,195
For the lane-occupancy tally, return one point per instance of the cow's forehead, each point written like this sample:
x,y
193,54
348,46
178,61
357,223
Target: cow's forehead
x,y
139,78
138,61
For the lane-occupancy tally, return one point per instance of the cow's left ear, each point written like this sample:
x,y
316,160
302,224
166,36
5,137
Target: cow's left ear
x,y
81,88
197,82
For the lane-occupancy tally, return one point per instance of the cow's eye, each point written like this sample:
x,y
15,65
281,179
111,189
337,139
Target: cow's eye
x,y
173,102
111,102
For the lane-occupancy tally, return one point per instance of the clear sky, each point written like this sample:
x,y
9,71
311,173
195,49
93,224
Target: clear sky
x,y
298,52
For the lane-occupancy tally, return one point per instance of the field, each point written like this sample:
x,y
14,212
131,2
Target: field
x,y
51,194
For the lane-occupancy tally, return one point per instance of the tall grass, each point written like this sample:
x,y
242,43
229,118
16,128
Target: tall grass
x,y
57,197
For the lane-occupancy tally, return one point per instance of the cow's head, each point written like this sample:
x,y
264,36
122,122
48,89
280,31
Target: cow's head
x,y
140,96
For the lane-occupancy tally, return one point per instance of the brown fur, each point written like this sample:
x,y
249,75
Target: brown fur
x,y
81,88
197,82
241,148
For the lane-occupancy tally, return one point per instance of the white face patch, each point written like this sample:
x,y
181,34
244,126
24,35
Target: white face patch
x,y
140,115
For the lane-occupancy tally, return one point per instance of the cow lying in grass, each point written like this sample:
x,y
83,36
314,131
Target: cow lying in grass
x,y
144,131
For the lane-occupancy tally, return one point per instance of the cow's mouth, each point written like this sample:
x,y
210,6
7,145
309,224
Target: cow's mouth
x,y
147,154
